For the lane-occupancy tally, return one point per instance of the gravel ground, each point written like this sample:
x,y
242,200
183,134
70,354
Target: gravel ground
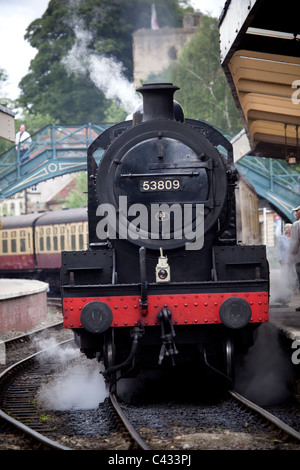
x,y
208,423
170,427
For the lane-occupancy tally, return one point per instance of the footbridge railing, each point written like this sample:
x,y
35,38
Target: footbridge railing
x,y
53,151
274,181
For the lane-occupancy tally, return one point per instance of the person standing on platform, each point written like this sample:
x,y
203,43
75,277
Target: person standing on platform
x,y
283,246
285,270
23,141
294,249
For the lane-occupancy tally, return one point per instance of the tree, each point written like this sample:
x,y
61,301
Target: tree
x,y
204,92
48,88
4,101
3,79
78,196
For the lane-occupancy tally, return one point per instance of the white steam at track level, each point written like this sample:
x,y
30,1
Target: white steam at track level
x,y
106,72
79,386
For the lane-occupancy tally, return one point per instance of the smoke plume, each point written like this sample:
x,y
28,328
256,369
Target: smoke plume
x,y
106,73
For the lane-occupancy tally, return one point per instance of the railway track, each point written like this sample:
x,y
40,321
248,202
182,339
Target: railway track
x,y
269,417
20,411
134,436
18,408
17,399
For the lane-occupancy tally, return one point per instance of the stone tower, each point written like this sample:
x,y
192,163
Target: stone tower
x,y
155,49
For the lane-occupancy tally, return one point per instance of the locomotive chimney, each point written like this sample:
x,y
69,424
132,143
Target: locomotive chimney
x,y
158,101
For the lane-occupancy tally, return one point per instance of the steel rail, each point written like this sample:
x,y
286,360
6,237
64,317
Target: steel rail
x,y
267,415
43,440
27,336
130,429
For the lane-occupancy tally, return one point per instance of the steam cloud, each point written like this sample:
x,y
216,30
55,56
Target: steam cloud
x,y
81,386
266,373
106,72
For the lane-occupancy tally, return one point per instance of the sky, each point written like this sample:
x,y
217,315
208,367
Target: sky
x,y
16,53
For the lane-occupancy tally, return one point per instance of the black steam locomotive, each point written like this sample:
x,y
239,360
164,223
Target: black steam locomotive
x,y
164,281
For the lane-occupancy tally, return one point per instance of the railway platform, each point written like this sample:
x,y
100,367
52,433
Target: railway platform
x,y
23,303
286,318
283,304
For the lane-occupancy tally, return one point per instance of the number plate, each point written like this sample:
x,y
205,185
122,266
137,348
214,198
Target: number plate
x,y
159,184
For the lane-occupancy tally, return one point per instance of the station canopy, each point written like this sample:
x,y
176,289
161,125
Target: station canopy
x,y
260,55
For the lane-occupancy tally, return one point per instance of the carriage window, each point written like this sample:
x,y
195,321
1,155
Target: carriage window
x,y
73,242
22,245
62,229
13,245
13,241
55,243
22,241
42,246
4,246
80,242
62,242
48,243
